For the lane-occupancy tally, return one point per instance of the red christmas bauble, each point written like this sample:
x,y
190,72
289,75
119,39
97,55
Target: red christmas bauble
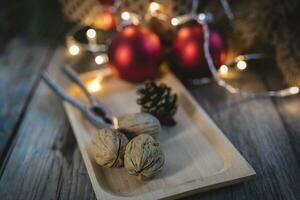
x,y
188,54
135,54
107,2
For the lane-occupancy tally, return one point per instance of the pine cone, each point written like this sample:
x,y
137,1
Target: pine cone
x,y
158,101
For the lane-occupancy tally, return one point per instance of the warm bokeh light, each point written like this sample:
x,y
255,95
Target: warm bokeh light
x,y
125,15
174,21
135,20
74,50
294,90
91,33
129,31
101,59
95,85
201,16
241,65
105,20
223,69
154,7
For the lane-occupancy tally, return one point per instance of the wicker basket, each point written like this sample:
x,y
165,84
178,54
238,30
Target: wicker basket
x,y
81,10
85,10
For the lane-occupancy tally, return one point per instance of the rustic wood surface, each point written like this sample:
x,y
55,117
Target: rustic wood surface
x,y
42,160
20,64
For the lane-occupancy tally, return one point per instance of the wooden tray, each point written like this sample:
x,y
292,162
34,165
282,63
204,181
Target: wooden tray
x,y
198,155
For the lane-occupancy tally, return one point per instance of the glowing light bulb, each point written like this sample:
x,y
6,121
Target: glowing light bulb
x,y
125,15
241,65
95,85
101,59
174,21
154,7
91,33
294,90
223,69
201,16
135,21
74,50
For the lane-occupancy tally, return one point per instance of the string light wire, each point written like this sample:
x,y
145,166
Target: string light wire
x,y
279,93
227,10
84,46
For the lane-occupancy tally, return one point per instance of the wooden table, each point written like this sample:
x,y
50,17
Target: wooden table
x,y
40,158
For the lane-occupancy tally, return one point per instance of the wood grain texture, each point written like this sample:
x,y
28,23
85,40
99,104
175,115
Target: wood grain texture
x,y
46,164
20,65
255,127
288,108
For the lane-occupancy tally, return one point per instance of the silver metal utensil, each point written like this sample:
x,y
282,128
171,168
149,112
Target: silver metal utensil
x,y
88,112
96,106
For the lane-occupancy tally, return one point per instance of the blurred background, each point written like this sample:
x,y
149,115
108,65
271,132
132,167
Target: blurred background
x,y
269,26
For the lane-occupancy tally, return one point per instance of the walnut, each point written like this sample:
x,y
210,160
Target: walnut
x,y
139,123
108,147
143,156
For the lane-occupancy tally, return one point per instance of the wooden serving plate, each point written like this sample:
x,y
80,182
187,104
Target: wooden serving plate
x,y
198,156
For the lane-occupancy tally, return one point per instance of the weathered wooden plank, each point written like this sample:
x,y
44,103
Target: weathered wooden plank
x,y
256,129
45,162
20,65
288,108
289,111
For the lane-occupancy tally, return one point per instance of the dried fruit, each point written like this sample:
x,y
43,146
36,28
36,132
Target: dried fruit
x,y
108,147
143,156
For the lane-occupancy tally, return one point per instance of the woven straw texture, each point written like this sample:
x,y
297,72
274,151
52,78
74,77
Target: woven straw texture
x,y
84,11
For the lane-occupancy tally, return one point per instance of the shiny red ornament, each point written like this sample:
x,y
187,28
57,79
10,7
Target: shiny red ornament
x,y
107,2
188,56
135,54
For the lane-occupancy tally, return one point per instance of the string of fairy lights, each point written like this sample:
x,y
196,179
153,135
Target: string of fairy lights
x,y
240,62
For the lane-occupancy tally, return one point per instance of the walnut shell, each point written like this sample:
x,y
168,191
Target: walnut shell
x,y
108,147
139,123
143,156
